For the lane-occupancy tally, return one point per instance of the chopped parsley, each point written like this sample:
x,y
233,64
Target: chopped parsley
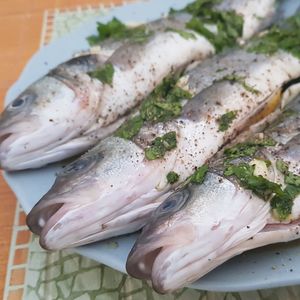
x,y
281,200
289,177
161,145
229,27
172,177
226,120
282,205
117,30
163,104
229,24
199,175
285,37
259,185
247,148
241,80
185,34
130,128
104,74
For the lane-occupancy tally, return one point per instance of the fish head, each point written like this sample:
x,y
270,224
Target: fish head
x,y
98,195
190,230
35,125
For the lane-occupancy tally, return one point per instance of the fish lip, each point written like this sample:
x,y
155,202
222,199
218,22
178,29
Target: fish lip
x,y
34,222
8,134
137,269
142,266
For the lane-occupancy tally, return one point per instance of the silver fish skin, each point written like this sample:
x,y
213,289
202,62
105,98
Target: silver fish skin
x,y
201,226
119,192
66,112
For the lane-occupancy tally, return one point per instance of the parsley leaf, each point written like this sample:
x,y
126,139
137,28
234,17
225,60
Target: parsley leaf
x,y
130,128
104,74
161,145
285,37
172,177
117,30
226,120
199,175
247,148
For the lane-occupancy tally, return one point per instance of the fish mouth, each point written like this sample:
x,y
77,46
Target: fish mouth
x,y
62,225
61,221
17,143
155,259
8,136
32,148
173,264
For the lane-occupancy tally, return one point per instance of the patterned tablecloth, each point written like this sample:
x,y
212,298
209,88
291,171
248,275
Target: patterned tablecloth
x,y
33,273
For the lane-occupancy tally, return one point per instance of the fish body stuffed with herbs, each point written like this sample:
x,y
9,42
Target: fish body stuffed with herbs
x,y
114,187
84,100
248,198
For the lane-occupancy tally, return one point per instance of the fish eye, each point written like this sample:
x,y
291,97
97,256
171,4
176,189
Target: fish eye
x,y
17,103
169,204
21,101
76,166
81,164
174,203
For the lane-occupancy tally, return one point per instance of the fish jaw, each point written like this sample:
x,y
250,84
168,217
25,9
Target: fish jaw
x,y
163,252
46,115
94,186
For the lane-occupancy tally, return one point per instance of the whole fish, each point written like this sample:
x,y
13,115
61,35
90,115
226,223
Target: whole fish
x,y
114,187
84,100
250,197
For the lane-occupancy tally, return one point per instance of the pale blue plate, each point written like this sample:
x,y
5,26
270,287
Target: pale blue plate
x,y
272,266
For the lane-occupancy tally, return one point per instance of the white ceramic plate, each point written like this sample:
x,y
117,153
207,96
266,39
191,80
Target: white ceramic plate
x,y
276,265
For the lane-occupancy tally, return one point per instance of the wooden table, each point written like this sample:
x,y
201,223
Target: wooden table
x,y
20,31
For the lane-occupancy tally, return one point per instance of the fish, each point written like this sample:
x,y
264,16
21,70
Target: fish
x,y
200,226
119,182
87,98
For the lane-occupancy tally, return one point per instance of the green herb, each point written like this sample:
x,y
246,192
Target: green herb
x,y
229,24
129,129
117,30
282,206
111,29
247,148
261,186
241,80
161,145
226,120
229,27
155,109
199,7
172,177
285,37
185,34
292,179
104,74
282,166
289,177
281,200
199,175
163,104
